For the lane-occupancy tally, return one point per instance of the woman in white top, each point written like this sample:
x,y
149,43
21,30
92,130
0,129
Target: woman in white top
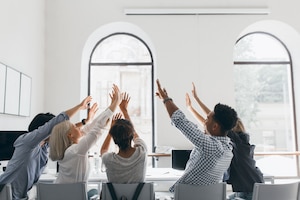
x,y
69,145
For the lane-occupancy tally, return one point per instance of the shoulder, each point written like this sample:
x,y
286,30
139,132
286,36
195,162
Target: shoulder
x,y
140,143
107,155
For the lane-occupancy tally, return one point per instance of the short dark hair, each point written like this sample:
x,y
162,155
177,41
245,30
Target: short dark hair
x,y
122,132
225,116
39,120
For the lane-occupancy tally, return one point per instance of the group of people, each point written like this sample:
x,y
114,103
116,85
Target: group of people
x,y
214,156
242,172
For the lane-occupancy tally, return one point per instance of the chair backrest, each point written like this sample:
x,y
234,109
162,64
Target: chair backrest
x,y
147,192
6,193
286,191
200,192
61,191
298,191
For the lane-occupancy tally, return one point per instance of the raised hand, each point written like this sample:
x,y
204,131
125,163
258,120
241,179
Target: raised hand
x,y
116,98
92,112
188,101
161,93
85,103
125,101
194,92
115,118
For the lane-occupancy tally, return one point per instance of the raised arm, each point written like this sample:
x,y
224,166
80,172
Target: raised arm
x,y
123,107
34,138
103,118
91,114
192,109
83,105
201,104
107,141
162,94
124,104
93,130
116,98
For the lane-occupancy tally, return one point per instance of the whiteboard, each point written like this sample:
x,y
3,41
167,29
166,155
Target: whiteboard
x,y
12,91
2,86
25,94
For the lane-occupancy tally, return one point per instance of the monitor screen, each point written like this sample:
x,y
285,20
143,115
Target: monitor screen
x,y
180,158
7,139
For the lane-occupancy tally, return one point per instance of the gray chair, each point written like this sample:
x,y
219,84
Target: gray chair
x,y
61,191
286,191
6,193
200,192
127,190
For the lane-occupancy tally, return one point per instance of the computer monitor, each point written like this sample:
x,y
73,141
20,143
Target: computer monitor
x,y
180,158
7,139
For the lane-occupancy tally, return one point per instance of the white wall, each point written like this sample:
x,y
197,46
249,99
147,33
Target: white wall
x,y
188,48
22,47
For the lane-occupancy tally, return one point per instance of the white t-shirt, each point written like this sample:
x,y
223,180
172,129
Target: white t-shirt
x,y
74,167
127,170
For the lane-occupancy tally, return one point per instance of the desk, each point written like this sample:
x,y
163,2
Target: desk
x,y
152,174
156,175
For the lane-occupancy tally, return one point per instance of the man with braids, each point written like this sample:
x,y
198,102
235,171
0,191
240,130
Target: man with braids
x,y
212,152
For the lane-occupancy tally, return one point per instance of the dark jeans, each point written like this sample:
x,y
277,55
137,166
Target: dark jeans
x,y
92,193
242,195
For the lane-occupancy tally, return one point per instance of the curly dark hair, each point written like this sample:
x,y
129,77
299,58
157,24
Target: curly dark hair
x,y
122,132
225,116
39,120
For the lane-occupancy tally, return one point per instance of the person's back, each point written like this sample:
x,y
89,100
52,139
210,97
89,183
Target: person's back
x,y
130,163
31,152
210,157
127,170
212,151
30,157
243,171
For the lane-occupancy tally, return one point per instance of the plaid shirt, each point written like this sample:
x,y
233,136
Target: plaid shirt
x,y
210,157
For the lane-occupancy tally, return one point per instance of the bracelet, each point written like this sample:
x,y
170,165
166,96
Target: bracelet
x,y
167,99
83,121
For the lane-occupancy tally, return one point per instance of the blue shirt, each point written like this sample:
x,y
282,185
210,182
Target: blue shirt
x,y
29,158
210,157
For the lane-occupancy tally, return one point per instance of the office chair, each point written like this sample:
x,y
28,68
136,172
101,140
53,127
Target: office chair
x,y
200,192
61,191
6,193
128,190
286,191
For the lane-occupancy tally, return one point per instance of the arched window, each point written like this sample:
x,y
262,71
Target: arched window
x,y
265,99
126,60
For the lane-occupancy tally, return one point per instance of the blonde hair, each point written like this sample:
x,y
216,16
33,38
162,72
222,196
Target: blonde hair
x,y
59,140
239,127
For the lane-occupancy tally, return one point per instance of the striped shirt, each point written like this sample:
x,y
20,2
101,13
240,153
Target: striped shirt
x,y
210,157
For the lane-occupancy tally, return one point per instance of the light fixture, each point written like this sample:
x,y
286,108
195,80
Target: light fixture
x,y
196,11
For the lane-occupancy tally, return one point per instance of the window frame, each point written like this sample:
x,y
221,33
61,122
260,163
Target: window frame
x,y
290,63
151,63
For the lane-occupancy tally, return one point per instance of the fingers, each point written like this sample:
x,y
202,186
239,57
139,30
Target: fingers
x,y
87,100
115,118
94,107
118,116
161,93
116,95
126,97
187,99
85,103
